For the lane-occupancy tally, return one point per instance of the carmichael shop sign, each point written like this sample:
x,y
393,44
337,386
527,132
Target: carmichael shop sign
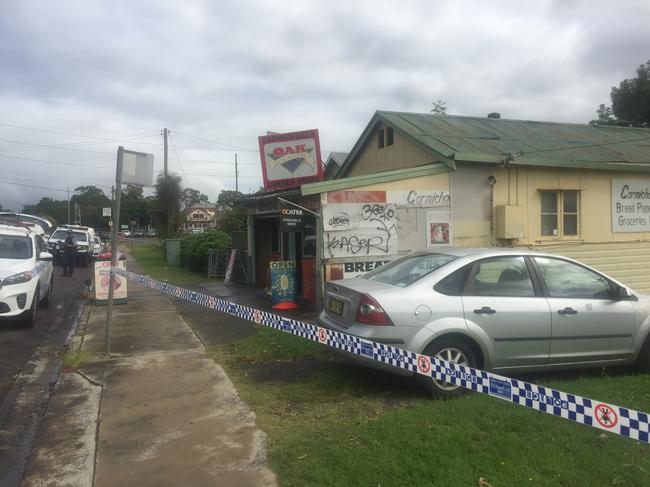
x,y
630,205
290,160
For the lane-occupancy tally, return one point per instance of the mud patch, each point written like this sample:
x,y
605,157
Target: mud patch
x,y
288,372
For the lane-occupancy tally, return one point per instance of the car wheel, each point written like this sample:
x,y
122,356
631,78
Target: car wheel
x,y
47,300
29,316
450,350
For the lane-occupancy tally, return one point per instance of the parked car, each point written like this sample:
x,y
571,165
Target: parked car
x,y
26,276
501,310
98,246
83,236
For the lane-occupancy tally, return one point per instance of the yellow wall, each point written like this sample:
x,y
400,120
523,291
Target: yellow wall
x,y
402,154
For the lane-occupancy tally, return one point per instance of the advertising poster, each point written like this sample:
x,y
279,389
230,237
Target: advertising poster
x,y
290,160
283,281
102,276
438,228
630,205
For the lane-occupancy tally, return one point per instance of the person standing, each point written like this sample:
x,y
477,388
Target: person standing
x,y
69,254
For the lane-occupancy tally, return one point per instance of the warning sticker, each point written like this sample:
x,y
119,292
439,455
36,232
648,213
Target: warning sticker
x,y
322,335
605,415
424,364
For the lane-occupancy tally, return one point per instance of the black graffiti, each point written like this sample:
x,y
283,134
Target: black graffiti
x,y
383,212
361,245
339,220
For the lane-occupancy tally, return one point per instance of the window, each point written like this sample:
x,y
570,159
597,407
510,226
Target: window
x,y
380,139
389,136
408,269
559,213
501,276
452,285
568,280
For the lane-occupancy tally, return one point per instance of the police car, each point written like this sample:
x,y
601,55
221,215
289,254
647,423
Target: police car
x,y
26,275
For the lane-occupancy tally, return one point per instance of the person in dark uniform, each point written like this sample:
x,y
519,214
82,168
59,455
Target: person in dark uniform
x,y
70,252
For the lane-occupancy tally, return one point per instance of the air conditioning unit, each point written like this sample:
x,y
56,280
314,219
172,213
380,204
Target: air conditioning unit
x,y
509,222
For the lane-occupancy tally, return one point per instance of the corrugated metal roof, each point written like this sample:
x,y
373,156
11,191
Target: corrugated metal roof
x,y
451,136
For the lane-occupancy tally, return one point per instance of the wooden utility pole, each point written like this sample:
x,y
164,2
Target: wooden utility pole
x,y
165,137
236,177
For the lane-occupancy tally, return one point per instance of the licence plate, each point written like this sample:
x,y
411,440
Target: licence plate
x,y
336,306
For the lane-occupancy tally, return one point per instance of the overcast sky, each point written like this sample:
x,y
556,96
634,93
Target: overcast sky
x,y
78,77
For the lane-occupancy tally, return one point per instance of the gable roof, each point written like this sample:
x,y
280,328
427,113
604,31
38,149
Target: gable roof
x,y
452,139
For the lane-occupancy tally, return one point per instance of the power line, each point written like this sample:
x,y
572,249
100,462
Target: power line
x,y
177,157
68,146
67,133
13,183
217,142
56,162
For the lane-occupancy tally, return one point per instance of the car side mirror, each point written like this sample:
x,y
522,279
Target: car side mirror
x,y
619,293
46,256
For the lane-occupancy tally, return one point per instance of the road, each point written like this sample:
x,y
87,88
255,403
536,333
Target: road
x,y
28,369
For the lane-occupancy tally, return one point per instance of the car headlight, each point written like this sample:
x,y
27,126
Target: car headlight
x,y
18,278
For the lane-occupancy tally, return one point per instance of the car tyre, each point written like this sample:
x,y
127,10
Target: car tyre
x,y
47,300
451,350
29,316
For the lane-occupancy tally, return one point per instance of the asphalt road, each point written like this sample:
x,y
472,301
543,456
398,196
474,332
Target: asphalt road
x,y
29,367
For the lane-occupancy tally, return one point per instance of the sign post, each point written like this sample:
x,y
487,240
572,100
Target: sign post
x,y
139,171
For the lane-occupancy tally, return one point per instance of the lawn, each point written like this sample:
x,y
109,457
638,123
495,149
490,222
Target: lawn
x,y
331,422
152,260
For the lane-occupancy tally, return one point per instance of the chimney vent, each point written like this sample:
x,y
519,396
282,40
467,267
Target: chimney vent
x,y
494,115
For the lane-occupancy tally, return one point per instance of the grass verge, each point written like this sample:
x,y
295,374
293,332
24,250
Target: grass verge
x,y
152,259
333,423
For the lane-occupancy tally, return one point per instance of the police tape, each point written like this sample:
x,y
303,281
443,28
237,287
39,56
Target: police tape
x,y
608,417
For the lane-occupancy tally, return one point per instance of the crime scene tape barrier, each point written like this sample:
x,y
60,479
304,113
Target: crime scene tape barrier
x,y
608,417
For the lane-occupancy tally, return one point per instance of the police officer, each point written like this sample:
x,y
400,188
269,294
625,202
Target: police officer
x,y
69,254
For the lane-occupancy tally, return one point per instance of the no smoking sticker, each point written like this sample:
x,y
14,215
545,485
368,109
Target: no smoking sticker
x,y
424,364
322,335
606,416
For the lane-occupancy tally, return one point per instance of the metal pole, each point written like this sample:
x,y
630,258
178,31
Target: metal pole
x,y
116,224
236,177
165,137
68,191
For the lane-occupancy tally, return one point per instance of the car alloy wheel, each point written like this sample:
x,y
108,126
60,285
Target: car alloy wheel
x,y
450,350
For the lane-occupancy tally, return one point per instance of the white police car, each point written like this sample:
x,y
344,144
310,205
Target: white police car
x,y
26,273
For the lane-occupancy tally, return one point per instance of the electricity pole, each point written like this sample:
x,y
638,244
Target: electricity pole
x,y
236,177
165,137
68,191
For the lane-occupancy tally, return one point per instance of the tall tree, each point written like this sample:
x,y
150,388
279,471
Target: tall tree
x,y
193,197
228,198
54,210
439,107
169,195
91,200
631,100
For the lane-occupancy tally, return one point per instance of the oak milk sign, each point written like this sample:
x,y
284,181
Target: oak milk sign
x,y
290,160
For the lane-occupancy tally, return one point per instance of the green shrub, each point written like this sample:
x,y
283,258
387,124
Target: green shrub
x,y
194,248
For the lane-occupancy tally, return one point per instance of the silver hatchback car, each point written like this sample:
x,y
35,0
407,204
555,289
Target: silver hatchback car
x,y
501,310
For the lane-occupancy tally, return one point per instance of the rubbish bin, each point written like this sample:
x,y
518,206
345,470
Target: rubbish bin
x,y
173,251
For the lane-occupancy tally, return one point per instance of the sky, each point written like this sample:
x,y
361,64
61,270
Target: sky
x,y
80,78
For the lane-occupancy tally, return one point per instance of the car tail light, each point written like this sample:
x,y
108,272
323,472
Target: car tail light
x,y
370,312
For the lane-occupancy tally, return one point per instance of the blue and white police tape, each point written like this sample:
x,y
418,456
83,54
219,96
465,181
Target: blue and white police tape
x,y
608,417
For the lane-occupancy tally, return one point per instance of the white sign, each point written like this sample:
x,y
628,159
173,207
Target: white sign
x,y
106,211
419,199
630,205
438,228
137,168
102,276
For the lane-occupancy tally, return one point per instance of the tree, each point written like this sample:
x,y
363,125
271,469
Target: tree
x,y
168,204
631,100
193,197
439,107
605,114
228,198
91,200
55,211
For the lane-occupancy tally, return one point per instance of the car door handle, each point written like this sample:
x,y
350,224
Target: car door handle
x,y
485,310
567,311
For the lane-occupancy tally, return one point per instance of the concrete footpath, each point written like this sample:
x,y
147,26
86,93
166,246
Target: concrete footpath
x,y
157,412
